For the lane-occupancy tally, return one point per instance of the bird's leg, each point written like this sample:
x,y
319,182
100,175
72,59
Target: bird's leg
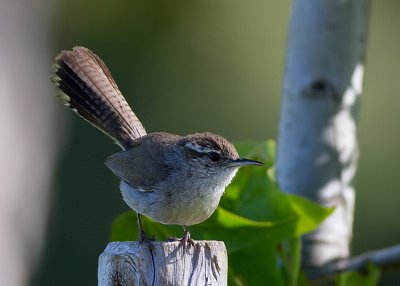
x,y
142,234
186,240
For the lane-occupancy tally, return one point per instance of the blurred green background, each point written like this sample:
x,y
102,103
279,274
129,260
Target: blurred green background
x,y
192,66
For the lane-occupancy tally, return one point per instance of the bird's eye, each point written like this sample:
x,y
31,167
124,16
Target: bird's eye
x,y
214,156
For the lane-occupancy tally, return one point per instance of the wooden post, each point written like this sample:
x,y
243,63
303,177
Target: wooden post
x,y
166,263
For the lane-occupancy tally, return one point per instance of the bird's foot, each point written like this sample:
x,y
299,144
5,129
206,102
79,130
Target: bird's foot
x,y
186,240
142,235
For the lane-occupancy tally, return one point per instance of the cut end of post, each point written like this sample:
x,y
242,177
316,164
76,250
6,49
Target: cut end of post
x,y
163,263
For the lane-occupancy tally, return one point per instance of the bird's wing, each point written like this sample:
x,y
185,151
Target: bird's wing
x,y
144,165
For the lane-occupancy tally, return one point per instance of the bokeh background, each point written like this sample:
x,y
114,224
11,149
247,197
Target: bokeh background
x,y
193,66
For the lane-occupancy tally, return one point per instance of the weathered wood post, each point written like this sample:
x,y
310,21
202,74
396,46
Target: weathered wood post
x,y
165,263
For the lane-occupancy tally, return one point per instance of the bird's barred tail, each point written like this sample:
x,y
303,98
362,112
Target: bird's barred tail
x,y
87,87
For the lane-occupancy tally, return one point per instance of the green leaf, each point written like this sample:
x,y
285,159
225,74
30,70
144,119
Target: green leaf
x,y
124,227
290,252
238,232
254,194
352,278
227,219
256,265
310,214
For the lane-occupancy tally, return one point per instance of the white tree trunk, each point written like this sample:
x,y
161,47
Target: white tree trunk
x,y
28,135
317,144
167,263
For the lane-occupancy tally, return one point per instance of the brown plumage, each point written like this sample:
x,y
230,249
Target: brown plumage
x,y
87,87
143,165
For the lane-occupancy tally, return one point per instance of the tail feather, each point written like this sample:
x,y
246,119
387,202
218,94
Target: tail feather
x,y
87,87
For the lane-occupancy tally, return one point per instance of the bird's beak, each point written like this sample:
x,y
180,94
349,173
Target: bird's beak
x,y
245,162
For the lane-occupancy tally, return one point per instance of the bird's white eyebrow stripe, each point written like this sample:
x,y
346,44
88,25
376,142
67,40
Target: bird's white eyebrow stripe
x,y
200,149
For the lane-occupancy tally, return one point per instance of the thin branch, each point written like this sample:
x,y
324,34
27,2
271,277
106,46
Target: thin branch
x,y
383,258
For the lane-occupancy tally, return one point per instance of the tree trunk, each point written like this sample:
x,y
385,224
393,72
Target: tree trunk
x,y
29,136
317,144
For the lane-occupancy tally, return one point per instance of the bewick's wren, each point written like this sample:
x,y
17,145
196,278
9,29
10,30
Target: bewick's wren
x,y
170,178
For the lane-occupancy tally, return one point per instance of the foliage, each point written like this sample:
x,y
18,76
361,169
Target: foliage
x,y
352,278
260,225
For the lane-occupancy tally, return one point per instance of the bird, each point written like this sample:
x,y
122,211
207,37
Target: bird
x,y
169,178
